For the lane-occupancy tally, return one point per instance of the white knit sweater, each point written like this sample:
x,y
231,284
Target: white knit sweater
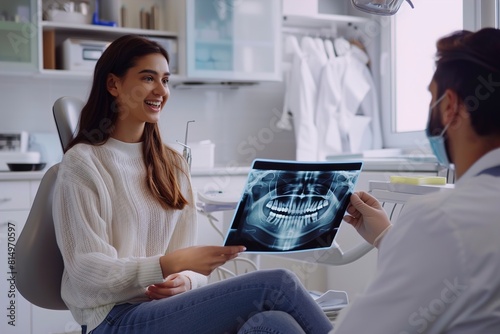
x,y
111,231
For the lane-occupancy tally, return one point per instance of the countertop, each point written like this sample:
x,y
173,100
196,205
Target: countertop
x,y
401,164
19,176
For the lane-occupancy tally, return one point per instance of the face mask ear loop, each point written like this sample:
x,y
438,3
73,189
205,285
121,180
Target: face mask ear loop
x,y
437,102
444,130
411,4
447,125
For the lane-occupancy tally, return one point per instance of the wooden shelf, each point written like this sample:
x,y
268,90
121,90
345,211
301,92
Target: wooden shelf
x,y
83,75
12,26
321,20
118,31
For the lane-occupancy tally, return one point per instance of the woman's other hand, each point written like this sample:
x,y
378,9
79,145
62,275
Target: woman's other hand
x,y
368,217
173,285
201,259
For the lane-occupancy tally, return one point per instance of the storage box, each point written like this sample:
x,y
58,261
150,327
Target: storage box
x,y
300,7
78,54
57,15
202,153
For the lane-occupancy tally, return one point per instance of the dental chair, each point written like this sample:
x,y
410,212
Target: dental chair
x,y
39,264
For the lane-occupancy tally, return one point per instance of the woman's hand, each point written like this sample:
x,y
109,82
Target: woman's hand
x,y
368,217
201,259
173,285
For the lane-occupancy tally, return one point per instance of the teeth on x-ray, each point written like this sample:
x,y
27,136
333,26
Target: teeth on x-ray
x,y
296,214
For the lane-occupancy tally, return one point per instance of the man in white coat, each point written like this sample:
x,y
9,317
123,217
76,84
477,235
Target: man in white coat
x,y
439,265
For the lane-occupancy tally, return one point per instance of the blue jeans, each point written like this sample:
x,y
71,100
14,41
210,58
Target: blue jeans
x,y
264,301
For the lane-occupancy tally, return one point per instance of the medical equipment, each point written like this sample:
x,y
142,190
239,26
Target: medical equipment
x,y
186,152
379,7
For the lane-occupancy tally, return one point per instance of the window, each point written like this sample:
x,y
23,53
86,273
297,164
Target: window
x,y
406,72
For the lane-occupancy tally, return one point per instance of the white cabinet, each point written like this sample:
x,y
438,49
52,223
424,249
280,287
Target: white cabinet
x,y
18,315
14,208
228,40
18,35
15,309
53,322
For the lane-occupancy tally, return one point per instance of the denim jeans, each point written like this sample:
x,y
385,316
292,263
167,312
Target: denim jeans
x,y
264,301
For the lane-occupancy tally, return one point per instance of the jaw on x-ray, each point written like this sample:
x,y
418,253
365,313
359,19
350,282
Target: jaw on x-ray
x,y
284,210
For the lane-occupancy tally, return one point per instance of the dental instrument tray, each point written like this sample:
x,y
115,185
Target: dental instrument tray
x,y
289,206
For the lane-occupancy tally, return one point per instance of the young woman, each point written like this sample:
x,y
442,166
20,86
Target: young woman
x,y
125,222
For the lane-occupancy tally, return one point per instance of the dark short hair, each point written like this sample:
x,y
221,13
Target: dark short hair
x,y
469,64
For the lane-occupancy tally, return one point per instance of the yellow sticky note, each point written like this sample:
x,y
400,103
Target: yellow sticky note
x,y
419,180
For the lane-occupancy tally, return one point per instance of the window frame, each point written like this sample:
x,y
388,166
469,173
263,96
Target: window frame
x,y
477,14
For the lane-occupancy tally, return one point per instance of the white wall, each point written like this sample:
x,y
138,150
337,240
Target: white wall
x,y
239,121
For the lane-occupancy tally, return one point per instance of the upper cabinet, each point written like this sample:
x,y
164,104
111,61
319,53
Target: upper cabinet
x,y
227,40
73,33
18,35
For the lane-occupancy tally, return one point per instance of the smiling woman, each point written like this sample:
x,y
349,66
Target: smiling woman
x,y
140,96
125,221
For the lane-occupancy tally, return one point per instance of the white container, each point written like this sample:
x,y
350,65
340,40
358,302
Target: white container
x,y
57,15
202,153
81,55
300,7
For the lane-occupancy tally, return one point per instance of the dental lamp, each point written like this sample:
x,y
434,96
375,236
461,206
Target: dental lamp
x,y
379,7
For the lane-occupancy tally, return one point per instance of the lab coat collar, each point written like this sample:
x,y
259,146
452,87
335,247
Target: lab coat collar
x,y
490,159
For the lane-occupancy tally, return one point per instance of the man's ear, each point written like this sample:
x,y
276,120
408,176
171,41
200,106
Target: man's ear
x,y
451,107
112,84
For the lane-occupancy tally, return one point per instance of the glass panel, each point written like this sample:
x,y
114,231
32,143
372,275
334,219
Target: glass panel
x,y
254,31
17,31
213,35
415,34
232,37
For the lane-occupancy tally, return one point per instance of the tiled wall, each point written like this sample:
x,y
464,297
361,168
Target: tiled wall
x,y
241,122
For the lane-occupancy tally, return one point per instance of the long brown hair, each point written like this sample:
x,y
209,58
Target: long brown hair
x,y
99,115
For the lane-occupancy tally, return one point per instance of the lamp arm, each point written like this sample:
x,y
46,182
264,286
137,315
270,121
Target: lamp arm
x,y
334,255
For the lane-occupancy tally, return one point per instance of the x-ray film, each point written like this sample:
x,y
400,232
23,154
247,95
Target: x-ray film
x,y
289,206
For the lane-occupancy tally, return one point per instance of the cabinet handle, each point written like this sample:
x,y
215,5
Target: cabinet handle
x,y
5,200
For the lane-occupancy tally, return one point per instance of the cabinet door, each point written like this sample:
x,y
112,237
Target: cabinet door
x,y
233,39
15,310
18,35
53,321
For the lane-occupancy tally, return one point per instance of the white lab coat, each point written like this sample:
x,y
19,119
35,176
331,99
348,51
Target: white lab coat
x,y
327,114
300,100
331,100
361,100
439,266
347,112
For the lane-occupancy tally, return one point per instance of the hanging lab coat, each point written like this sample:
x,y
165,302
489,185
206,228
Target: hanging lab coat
x,y
364,130
300,102
347,113
327,117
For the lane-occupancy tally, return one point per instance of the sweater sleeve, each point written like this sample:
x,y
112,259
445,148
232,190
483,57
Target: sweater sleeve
x,y
186,231
94,274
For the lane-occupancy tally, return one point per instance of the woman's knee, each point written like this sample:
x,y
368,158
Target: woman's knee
x,y
280,277
276,322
